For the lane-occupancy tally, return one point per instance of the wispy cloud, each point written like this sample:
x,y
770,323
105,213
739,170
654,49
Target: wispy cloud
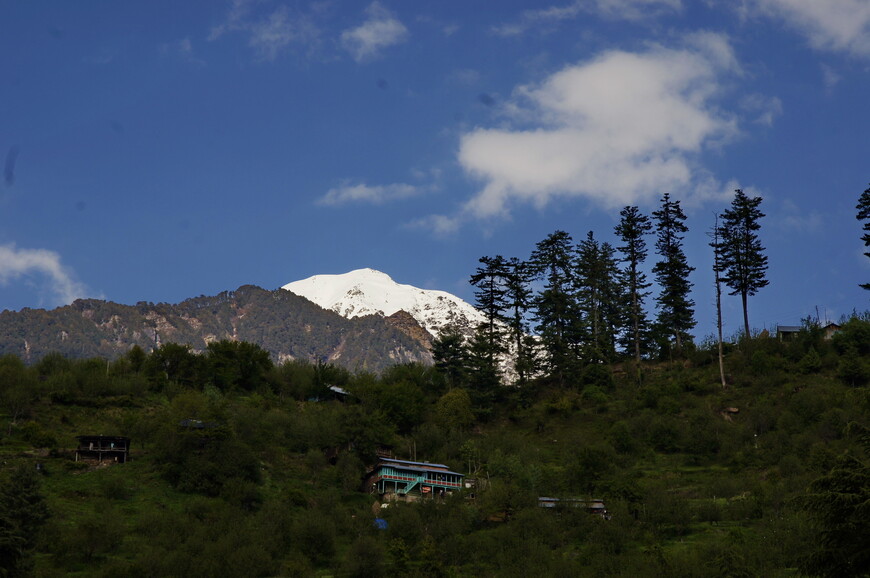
x,y
446,28
798,220
545,18
465,76
765,108
830,76
370,194
618,129
441,225
182,49
380,30
269,34
16,263
836,25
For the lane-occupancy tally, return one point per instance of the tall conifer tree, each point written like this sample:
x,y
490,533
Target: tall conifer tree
x,y
632,228
742,259
490,298
519,295
676,308
555,307
599,296
613,297
450,354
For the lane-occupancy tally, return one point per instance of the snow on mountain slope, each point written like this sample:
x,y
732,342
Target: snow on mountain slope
x,y
367,292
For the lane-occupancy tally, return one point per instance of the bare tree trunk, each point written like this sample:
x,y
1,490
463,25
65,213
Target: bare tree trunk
x,y
636,329
718,299
719,327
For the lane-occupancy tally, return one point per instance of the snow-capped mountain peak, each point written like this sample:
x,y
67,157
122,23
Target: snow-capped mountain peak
x,y
369,292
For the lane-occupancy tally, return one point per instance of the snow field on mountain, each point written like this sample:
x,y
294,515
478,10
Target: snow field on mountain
x,y
370,292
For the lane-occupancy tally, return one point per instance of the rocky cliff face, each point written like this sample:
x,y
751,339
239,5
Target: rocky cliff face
x,y
404,322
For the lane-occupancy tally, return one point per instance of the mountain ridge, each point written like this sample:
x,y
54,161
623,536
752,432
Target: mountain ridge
x,y
288,326
360,320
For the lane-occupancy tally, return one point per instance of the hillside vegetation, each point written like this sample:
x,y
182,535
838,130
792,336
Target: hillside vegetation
x,y
768,476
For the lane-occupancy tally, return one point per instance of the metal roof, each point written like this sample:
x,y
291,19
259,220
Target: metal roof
x,y
419,466
424,464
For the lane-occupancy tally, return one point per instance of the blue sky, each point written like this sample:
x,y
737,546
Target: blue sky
x,y
156,151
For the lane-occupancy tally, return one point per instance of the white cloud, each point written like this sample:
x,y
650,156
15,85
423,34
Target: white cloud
x,y
17,263
441,225
612,9
269,34
362,193
380,30
839,25
619,129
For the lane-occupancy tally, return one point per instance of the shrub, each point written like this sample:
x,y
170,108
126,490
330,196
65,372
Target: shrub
x,y
811,362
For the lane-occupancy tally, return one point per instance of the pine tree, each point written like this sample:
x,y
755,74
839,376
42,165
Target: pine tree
x,y
676,309
519,295
450,355
743,262
599,297
491,298
555,307
482,373
631,229
864,215
614,299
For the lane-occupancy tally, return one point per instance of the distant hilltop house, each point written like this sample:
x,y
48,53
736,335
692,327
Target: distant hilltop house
x,y
103,448
400,480
788,332
593,506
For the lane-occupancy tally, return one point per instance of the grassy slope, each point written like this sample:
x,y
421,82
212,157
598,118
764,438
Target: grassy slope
x,y
691,491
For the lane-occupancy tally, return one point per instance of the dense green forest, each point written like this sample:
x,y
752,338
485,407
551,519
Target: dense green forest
x,y
767,476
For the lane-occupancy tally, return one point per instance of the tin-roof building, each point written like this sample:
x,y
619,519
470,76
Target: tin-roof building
x,y
789,332
592,505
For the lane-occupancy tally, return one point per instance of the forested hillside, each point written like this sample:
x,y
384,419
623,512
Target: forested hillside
x,y
284,324
765,477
